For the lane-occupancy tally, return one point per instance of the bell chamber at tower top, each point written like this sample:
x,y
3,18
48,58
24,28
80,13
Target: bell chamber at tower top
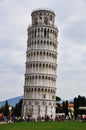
x,y
43,17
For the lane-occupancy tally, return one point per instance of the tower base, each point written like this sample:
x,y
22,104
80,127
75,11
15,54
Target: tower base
x,y
38,108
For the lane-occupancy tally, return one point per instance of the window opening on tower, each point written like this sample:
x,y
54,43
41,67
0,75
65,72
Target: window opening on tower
x,y
45,32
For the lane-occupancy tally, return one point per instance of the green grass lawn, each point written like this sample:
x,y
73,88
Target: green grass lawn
x,y
44,126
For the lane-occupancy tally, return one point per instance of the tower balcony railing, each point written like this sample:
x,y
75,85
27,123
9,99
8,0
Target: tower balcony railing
x,y
44,38
43,25
42,9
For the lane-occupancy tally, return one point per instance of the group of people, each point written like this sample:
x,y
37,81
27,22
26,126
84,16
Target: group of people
x,y
25,118
39,118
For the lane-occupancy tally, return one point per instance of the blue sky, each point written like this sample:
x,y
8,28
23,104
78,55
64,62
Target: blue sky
x,y
71,22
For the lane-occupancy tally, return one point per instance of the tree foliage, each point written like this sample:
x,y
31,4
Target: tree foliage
x,y
17,109
5,109
62,108
58,98
79,102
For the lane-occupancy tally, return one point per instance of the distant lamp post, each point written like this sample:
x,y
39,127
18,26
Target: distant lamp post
x,y
10,109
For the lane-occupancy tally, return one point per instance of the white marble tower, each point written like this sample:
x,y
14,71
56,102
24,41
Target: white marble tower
x,y
41,64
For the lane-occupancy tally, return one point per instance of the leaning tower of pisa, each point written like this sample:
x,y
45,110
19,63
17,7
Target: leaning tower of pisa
x,y
41,64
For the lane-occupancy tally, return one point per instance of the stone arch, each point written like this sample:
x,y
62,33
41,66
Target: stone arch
x,y
38,89
38,41
48,33
47,54
37,64
45,33
35,42
46,77
51,32
47,42
46,66
44,42
33,65
37,53
32,45
39,77
41,29
40,52
45,90
31,33
32,89
35,89
50,43
36,76
42,76
50,53
43,65
38,32
35,32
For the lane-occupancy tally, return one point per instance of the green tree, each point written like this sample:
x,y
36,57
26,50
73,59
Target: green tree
x,y
79,102
18,108
63,106
6,109
58,98
58,108
66,107
76,107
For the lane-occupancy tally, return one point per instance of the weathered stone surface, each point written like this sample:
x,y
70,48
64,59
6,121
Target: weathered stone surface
x,y
41,64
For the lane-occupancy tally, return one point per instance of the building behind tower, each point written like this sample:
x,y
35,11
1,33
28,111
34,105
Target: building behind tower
x,y
41,64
